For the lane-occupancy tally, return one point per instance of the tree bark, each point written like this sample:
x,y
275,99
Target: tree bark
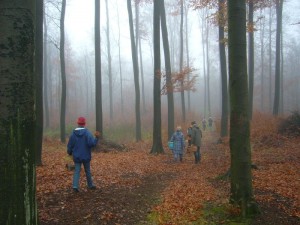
x,y
251,58
224,118
98,77
63,74
138,132
111,110
181,62
241,193
17,117
39,80
169,84
157,136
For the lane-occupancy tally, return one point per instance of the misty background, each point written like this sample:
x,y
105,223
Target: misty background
x,y
201,52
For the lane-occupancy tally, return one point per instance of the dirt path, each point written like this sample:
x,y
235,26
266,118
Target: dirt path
x,y
131,183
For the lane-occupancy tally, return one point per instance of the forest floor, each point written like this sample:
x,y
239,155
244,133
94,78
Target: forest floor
x,y
135,187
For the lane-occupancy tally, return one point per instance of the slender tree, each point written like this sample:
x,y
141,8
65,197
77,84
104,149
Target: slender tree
x,y
98,77
168,69
45,70
138,132
222,50
111,111
17,117
120,63
181,61
157,146
251,55
63,74
279,4
241,177
39,79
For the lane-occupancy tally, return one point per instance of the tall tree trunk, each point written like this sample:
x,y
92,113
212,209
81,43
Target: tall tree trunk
x,y
270,60
281,106
63,74
208,70
202,17
241,178
187,53
279,4
181,60
111,111
39,80
98,77
251,57
157,146
120,63
138,132
17,117
142,75
168,70
262,53
224,118
45,71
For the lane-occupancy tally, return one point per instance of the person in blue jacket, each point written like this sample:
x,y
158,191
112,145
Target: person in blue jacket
x,y
179,144
79,146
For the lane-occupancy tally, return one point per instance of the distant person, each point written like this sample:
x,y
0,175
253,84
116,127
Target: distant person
x,y
196,141
189,135
210,123
80,145
179,144
204,124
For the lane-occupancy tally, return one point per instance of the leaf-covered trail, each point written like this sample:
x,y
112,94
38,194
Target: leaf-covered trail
x,y
134,184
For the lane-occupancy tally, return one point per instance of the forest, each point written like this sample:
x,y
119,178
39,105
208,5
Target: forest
x,y
133,75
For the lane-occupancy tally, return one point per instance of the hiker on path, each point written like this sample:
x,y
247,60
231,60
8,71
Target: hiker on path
x,y
210,123
79,146
179,144
196,141
204,124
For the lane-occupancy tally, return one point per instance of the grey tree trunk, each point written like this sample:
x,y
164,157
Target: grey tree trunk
x,y
241,193
138,132
157,146
39,80
111,110
270,60
63,74
98,77
169,84
251,58
181,61
279,4
262,53
17,117
120,63
224,118
187,54
45,72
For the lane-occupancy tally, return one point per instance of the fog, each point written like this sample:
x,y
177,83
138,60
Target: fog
x,y
203,57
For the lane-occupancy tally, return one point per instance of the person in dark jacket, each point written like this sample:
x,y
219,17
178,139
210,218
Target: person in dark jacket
x,y
196,141
79,146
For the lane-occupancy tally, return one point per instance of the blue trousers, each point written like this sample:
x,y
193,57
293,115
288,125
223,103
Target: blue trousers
x,y
76,175
197,155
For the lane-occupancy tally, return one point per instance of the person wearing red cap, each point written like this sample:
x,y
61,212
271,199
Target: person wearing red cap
x,y
79,146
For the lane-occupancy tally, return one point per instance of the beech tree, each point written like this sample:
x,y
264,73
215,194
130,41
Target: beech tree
x,y
136,75
241,193
98,77
63,74
17,117
157,146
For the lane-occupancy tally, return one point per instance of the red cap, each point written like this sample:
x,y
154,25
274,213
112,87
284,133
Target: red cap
x,y
81,121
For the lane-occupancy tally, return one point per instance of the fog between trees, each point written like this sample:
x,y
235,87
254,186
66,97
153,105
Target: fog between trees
x,y
200,52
